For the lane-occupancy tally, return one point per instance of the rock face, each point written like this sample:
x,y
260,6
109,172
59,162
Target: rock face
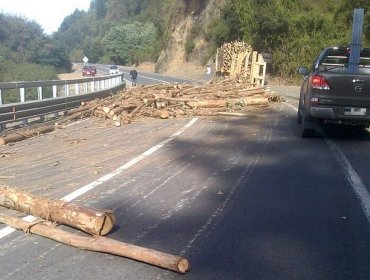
x,y
191,15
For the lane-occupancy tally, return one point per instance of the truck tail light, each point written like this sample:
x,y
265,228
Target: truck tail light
x,y
320,82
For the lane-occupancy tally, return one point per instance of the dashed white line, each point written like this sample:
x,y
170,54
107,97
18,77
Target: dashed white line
x,y
8,230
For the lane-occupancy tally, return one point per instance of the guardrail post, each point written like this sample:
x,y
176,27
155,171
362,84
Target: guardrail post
x,y
54,91
39,93
1,99
77,88
66,89
92,85
22,94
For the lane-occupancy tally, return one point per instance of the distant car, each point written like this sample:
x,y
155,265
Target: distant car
x,y
88,70
113,69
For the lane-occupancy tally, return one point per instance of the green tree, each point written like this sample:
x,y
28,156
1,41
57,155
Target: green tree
x,y
27,53
293,31
99,8
126,43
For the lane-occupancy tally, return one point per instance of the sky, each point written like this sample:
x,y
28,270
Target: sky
x,y
48,13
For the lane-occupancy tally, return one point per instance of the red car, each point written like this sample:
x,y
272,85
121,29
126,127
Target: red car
x,y
88,70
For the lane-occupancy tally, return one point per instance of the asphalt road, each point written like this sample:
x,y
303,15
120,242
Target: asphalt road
x,y
241,198
148,78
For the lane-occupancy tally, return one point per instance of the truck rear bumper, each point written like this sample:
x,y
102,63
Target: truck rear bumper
x,y
322,113
338,115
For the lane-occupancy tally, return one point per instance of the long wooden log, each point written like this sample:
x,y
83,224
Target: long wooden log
x,y
83,107
26,133
116,111
207,103
93,221
249,101
162,114
77,115
100,244
136,110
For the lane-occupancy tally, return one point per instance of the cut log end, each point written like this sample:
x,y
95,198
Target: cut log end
x,y
107,224
183,265
92,221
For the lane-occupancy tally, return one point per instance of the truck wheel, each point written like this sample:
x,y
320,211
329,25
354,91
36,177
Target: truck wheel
x,y
307,127
299,117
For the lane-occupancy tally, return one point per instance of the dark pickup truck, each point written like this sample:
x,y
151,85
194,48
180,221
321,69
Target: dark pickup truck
x,y
330,93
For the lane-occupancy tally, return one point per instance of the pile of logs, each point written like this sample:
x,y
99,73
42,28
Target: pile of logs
x,y
174,100
163,101
233,59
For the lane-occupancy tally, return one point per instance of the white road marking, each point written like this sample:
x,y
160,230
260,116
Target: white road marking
x,y
353,178
145,77
8,230
291,106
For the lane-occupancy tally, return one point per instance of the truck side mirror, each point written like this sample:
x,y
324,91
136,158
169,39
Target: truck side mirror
x,y
302,70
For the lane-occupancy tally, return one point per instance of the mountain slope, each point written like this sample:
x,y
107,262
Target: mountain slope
x,y
175,58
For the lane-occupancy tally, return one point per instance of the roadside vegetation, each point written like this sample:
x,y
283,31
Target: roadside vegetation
x,y
26,53
133,31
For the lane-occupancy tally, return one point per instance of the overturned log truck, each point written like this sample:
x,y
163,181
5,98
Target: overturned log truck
x,y
239,59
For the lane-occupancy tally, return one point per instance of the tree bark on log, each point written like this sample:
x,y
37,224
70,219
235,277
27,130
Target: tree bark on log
x,y
249,101
100,244
77,115
95,222
162,114
207,104
24,134
84,107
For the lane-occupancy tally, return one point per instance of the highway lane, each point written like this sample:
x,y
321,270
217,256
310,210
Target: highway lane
x,y
153,78
145,78
242,198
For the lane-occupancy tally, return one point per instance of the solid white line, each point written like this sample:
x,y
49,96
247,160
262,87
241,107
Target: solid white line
x,y
291,106
352,177
8,230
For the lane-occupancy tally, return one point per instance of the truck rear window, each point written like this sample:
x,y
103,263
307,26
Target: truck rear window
x,y
336,60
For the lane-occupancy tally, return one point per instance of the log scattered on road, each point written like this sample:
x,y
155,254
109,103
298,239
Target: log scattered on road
x,y
92,221
100,244
25,133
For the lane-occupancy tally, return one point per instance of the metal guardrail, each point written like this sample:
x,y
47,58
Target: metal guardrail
x,y
43,100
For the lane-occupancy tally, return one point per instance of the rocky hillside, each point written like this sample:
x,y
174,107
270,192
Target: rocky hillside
x,y
193,17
